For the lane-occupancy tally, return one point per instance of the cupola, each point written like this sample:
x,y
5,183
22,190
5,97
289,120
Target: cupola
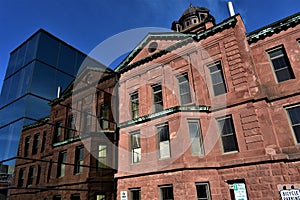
x,y
194,20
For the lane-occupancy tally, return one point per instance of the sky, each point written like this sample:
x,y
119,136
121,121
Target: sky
x,y
86,23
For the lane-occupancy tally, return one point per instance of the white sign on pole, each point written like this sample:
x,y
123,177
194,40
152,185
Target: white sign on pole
x,y
290,194
240,192
124,195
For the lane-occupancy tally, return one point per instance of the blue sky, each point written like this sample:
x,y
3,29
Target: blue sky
x,y
86,23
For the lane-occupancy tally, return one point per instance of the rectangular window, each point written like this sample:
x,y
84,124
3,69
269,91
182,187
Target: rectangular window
x,y
184,89
294,115
21,177
26,147
281,64
135,147
157,98
79,158
102,156
30,175
87,121
35,145
38,176
71,126
75,197
57,197
61,166
203,191
166,192
57,131
100,197
104,116
43,141
227,133
163,141
134,105
196,142
217,78
135,194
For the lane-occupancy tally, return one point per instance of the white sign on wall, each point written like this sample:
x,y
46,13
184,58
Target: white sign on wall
x,y
290,194
240,192
124,195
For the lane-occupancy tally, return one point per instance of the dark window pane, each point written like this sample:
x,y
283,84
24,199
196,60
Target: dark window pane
x,y
281,65
166,193
184,88
228,136
217,78
135,194
202,191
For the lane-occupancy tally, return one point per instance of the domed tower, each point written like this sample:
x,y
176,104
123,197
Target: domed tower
x,y
194,20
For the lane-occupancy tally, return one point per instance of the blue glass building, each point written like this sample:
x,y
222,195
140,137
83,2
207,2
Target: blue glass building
x,y
36,69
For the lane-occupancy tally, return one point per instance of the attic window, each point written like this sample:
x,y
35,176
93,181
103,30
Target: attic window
x,y
152,47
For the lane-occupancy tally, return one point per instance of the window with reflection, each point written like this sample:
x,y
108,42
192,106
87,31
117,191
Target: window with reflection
x,y
217,78
21,177
102,156
166,192
30,175
35,145
196,142
227,133
281,65
135,146
135,194
163,141
26,147
104,116
184,89
134,105
87,121
71,126
79,159
157,98
57,131
294,115
61,165
203,191
43,141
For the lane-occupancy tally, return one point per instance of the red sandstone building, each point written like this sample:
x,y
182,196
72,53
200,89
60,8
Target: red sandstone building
x,y
211,112
205,112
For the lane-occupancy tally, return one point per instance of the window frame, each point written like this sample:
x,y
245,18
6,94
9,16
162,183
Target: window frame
x,y
133,149
157,106
199,138
132,190
283,55
291,123
218,71
159,141
161,188
35,144
27,146
61,164
207,189
30,176
100,164
186,81
134,113
21,177
71,126
232,134
79,160
58,131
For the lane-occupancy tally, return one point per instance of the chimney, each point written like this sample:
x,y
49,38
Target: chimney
x,y
58,92
230,8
